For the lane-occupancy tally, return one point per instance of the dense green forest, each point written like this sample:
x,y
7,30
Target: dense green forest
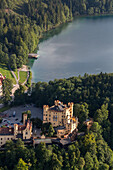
x,y
89,152
91,94
92,97
22,23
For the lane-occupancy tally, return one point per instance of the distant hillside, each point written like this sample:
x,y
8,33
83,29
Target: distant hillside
x,y
23,21
78,7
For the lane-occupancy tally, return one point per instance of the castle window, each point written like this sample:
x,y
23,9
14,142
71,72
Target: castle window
x,y
46,118
49,115
7,138
49,119
1,142
26,133
1,138
54,118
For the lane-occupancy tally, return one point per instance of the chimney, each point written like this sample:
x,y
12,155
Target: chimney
x,y
57,102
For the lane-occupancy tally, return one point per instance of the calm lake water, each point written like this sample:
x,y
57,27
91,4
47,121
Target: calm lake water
x,y
82,46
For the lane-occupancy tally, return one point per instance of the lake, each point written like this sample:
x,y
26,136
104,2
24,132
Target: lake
x,y
82,46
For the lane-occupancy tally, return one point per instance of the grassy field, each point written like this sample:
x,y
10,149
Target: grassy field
x,y
6,72
23,76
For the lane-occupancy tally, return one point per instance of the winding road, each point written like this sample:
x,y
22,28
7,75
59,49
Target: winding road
x,y
16,86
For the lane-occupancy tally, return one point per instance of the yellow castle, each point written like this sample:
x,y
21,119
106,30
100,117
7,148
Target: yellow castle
x,y
60,115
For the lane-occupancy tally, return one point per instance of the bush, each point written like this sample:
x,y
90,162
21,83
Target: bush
x,y
1,119
29,79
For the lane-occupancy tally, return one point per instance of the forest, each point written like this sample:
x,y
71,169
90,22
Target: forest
x,y
93,98
89,152
22,23
91,94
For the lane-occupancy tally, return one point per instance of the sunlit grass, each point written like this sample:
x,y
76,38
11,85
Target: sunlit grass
x,y
23,76
4,70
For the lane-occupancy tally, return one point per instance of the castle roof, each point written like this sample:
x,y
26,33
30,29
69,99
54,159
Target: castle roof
x,y
1,79
21,127
74,119
6,131
59,107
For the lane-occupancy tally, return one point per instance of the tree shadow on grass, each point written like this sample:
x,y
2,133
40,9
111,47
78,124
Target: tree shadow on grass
x,y
4,67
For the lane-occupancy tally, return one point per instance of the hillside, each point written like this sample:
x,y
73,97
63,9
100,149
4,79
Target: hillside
x,y
22,23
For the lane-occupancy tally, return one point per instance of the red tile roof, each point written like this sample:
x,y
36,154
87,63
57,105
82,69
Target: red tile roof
x,y
6,131
21,127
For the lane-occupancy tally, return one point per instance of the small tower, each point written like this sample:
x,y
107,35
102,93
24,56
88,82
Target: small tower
x,y
15,130
45,113
70,105
24,119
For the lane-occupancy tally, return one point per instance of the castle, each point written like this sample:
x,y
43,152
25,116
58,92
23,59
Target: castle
x,y
1,80
61,116
18,131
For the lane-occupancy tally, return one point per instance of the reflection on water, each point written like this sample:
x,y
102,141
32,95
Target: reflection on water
x,y
31,62
82,46
53,32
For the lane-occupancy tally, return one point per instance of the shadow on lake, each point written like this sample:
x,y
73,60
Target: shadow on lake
x,y
53,32
47,35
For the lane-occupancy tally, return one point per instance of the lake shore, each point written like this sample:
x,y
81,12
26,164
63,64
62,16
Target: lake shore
x,y
61,55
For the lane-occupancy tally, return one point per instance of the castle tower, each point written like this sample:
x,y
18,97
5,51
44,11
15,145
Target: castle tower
x,y
70,105
45,113
24,119
15,130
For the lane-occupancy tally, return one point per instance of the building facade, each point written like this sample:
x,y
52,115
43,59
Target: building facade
x,y
60,115
1,80
18,131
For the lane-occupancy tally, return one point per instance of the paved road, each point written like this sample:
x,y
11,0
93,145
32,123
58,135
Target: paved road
x,y
17,80
10,120
35,112
18,76
13,74
15,87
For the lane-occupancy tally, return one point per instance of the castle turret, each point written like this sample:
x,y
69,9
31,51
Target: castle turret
x,y
24,119
15,130
70,105
45,113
